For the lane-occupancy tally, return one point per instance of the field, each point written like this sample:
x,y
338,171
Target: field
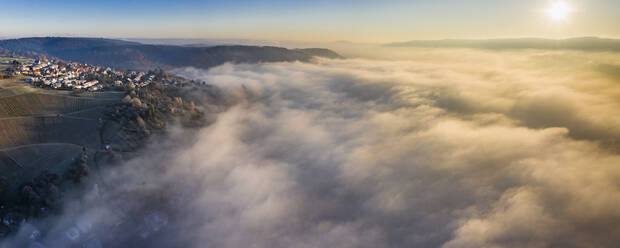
x,y
46,129
24,131
6,60
33,118
45,104
14,86
24,163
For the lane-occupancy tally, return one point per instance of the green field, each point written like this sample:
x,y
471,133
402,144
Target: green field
x,y
14,86
10,59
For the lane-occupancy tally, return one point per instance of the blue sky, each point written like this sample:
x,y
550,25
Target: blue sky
x,y
318,20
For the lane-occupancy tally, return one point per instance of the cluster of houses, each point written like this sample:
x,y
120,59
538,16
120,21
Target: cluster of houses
x,y
61,75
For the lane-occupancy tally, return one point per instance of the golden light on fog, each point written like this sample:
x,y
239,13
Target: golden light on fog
x,y
559,10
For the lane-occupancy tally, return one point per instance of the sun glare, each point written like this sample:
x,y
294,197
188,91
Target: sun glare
x,y
559,10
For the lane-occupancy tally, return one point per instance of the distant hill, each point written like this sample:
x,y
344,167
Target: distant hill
x,y
581,44
133,55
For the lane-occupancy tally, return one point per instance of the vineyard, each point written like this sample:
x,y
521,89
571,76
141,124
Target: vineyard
x,y
46,104
22,164
24,131
45,130
8,87
6,93
7,161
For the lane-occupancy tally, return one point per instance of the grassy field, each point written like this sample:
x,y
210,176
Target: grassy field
x,y
6,60
14,86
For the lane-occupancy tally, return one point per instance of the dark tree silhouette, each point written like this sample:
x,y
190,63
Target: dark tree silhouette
x,y
79,169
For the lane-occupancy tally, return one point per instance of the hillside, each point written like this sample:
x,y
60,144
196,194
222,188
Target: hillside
x,y
132,55
51,139
42,132
41,104
35,118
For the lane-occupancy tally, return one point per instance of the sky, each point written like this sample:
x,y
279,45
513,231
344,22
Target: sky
x,y
398,147
368,21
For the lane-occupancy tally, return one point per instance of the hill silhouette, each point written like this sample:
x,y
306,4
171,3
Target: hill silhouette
x,y
132,55
581,44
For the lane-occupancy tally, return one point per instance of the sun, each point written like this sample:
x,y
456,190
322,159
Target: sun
x,y
559,10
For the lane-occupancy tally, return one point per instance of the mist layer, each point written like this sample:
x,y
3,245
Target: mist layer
x,y
451,149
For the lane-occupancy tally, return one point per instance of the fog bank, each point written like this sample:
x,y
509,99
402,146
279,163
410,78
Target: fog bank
x,y
451,149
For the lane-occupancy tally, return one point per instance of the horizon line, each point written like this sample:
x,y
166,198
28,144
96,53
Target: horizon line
x,y
301,41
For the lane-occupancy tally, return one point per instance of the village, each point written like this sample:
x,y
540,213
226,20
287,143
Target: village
x,y
61,75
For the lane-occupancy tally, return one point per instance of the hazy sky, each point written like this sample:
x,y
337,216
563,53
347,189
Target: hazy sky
x,y
318,20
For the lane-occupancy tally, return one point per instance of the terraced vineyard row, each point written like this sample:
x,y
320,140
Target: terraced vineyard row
x,y
25,163
16,132
110,95
7,161
40,104
6,93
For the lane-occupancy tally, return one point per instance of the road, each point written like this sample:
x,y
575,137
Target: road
x,y
37,144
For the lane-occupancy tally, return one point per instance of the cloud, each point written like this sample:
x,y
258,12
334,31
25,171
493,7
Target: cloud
x,y
578,44
446,152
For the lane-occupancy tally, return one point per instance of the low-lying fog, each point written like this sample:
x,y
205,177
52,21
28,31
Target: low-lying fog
x,y
442,148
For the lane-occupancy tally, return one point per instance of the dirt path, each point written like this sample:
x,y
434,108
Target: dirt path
x,y
63,115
